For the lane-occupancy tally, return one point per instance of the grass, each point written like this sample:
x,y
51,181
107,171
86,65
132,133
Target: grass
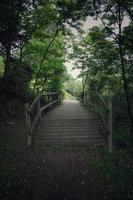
x,y
12,152
69,96
116,169
1,66
117,172
123,140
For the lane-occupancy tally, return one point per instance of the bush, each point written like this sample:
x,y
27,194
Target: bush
x,y
17,83
122,139
117,173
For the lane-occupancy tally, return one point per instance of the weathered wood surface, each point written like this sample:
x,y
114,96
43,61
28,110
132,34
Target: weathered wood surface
x,y
69,123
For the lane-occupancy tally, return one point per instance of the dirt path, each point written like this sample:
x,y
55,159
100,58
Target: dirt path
x,y
56,175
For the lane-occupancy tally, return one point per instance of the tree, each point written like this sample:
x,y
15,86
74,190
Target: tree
x,y
52,68
15,28
21,19
73,87
97,56
113,15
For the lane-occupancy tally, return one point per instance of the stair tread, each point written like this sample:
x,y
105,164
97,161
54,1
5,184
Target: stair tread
x,y
94,134
69,130
70,136
84,142
70,123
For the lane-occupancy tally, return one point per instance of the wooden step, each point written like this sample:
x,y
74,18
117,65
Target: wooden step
x,y
69,124
72,126
70,129
68,137
63,133
89,139
71,142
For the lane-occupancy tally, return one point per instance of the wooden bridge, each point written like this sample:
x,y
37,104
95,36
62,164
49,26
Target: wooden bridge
x,y
67,123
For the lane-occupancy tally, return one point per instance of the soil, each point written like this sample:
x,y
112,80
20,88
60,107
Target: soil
x,y
45,173
56,175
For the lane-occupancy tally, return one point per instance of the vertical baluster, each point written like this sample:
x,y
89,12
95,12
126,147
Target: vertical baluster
x,y
86,99
28,122
60,97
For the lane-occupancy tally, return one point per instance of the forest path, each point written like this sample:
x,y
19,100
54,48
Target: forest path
x,y
57,171
69,124
58,174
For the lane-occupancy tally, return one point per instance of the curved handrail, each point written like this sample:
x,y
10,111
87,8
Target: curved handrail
x,y
102,101
107,125
37,102
101,116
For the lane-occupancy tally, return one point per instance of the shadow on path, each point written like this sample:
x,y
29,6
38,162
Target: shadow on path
x,y
57,175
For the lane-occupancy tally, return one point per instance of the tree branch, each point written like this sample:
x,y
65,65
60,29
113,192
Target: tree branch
x,y
44,56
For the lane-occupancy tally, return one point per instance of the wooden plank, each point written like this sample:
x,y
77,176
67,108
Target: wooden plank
x,y
35,121
35,101
49,93
28,121
70,123
101,117
49,104
28,110
102,101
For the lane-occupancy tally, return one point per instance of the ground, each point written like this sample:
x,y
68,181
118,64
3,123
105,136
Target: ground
x,y
62,174
45,172
56,172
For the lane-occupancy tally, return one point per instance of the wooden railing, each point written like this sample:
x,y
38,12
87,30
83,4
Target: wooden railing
x,y
42,102
97,102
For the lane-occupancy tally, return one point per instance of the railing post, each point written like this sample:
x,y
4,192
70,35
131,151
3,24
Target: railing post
x,y
84,98
110,126
28,122
60,97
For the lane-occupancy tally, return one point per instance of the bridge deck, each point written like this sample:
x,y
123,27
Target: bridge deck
x,y
70,123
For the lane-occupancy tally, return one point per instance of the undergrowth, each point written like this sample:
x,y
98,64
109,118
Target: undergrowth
x,y
116,170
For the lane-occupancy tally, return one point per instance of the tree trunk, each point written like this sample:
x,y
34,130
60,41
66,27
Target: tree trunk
x,y
7,66
44,56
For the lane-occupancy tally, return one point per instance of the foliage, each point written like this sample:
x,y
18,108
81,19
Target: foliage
x,y
113,15
32,55
50,76
1,66
73,87
28,31
117,173
68,96
123,141
97,58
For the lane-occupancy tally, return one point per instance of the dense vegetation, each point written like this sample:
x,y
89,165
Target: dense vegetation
x,y
36,36
32,47
73,87
104,57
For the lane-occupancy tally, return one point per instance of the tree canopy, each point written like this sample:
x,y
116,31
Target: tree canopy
x,y
34,36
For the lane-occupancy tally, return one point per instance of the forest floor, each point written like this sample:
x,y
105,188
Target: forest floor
x,y
52,172
45,172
